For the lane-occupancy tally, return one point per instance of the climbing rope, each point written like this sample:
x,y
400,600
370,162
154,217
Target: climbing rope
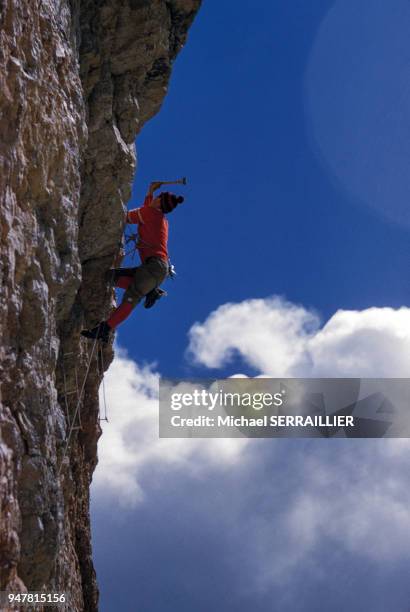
x,y
67,411
77,408
105,417
137,243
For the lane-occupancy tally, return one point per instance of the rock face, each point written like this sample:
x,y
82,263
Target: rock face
x,y
79,79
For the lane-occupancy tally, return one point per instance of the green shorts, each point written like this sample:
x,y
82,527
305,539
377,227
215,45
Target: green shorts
x,y
146,277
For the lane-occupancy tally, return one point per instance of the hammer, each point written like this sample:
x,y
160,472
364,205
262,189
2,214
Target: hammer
x,y
181,181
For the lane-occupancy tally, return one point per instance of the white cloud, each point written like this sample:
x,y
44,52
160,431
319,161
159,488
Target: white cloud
x,y
351,494
281,339
130,443
354,493
250,328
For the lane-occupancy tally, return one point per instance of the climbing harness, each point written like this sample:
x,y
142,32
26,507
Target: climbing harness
x,y
139,243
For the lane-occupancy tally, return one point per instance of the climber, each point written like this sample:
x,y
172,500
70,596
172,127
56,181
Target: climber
x,y
145,279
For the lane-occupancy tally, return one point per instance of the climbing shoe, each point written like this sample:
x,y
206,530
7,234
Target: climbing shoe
x,y
153,296
99,332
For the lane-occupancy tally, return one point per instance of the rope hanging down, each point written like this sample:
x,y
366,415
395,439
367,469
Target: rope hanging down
x,y
77,407
136,239
80,393
68,392
101,356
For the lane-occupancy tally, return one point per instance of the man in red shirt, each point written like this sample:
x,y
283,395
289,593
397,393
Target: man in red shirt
x,y
152,246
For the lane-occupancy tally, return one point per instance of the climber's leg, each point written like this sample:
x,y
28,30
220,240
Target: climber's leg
x,y
146,278
120,314
114,275
123,282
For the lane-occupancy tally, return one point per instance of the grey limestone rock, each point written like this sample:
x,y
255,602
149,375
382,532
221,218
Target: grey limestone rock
x,y
78,80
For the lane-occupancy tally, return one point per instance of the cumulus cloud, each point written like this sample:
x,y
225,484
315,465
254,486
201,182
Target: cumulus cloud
x,y
130,443
354,493
353,496
347,494
324,500
279,338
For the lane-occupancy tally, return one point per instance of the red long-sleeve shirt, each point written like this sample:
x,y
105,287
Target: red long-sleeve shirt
x,y
152,230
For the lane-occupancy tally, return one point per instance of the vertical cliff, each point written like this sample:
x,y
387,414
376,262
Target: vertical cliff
x,y
79,79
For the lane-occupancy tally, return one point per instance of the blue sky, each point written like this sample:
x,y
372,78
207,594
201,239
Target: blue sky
x,y
263,214
289,120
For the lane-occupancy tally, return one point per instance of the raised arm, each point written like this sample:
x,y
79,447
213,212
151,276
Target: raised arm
x,y
154,186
